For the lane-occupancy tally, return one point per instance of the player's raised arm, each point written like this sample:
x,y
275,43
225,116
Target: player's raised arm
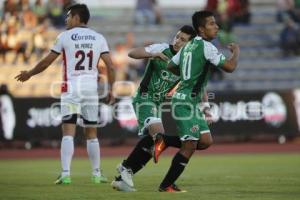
x,y
148,52
231,63
41,66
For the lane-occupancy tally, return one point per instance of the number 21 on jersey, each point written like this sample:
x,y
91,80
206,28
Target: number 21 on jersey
x,y
81,55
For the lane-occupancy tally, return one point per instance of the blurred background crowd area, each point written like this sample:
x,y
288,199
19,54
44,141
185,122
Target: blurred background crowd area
x,y
267,31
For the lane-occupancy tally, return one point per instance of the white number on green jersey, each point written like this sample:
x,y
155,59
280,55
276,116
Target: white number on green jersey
x,y
187,63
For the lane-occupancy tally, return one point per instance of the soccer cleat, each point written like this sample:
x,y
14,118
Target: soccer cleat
x,y
63,180
120,185
171,188
99,179
126,174
159,146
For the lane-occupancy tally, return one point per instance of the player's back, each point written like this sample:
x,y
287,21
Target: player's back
x,y
81,48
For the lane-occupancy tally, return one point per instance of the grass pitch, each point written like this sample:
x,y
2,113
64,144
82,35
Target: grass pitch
x,y
247,177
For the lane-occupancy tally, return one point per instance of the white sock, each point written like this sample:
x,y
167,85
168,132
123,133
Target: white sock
x,y
66,154
93,149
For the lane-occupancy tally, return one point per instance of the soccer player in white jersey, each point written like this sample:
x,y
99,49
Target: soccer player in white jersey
x,y
81,48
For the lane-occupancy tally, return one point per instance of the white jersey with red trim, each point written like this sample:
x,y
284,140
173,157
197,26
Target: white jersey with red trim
x,y
81,48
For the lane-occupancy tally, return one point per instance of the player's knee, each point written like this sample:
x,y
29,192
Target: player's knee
x,y
208,142
203,146
151,121
90,133
188,148
205,141
187,152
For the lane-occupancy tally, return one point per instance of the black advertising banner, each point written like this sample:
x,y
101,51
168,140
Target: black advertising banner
x,y
249,115
254,113
243,115
36,119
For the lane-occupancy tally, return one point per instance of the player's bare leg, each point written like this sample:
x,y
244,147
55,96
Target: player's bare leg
x,y
205,141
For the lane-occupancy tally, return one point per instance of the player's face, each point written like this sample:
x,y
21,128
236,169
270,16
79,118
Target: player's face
x,y
180,40
210,31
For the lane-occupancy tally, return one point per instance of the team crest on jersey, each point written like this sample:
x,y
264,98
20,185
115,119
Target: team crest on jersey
x,y
195,128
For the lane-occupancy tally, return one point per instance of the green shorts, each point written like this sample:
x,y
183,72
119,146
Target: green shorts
x,y
147,113
189,120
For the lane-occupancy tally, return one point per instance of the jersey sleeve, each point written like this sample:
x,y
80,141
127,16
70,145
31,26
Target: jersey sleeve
x,y
104,46
58,45
156,48
176,59
212,54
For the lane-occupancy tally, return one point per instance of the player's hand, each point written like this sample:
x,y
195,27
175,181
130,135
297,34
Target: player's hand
x,y
160,56
23,76
233,47
208,116
110,99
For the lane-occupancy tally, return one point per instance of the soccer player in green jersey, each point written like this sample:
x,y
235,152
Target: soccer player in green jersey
x,y
192,63
153,89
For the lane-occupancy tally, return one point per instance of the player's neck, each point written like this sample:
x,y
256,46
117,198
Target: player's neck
x,y
205,38
82,25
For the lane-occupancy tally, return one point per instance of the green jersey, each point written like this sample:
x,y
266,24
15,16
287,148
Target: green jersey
x,y
157,80
194,61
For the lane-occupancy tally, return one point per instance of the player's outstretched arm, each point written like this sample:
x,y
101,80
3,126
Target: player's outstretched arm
x,y
141,53
231,63
41,66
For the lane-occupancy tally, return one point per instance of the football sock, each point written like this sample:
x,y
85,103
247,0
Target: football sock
x,y
93,150
66,154
178,164
140,155
172,141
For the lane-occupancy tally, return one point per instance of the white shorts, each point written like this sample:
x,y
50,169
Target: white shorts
x,y
85,104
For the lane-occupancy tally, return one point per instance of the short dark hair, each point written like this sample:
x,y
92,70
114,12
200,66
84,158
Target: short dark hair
x,y
82,11
199,18
188,30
